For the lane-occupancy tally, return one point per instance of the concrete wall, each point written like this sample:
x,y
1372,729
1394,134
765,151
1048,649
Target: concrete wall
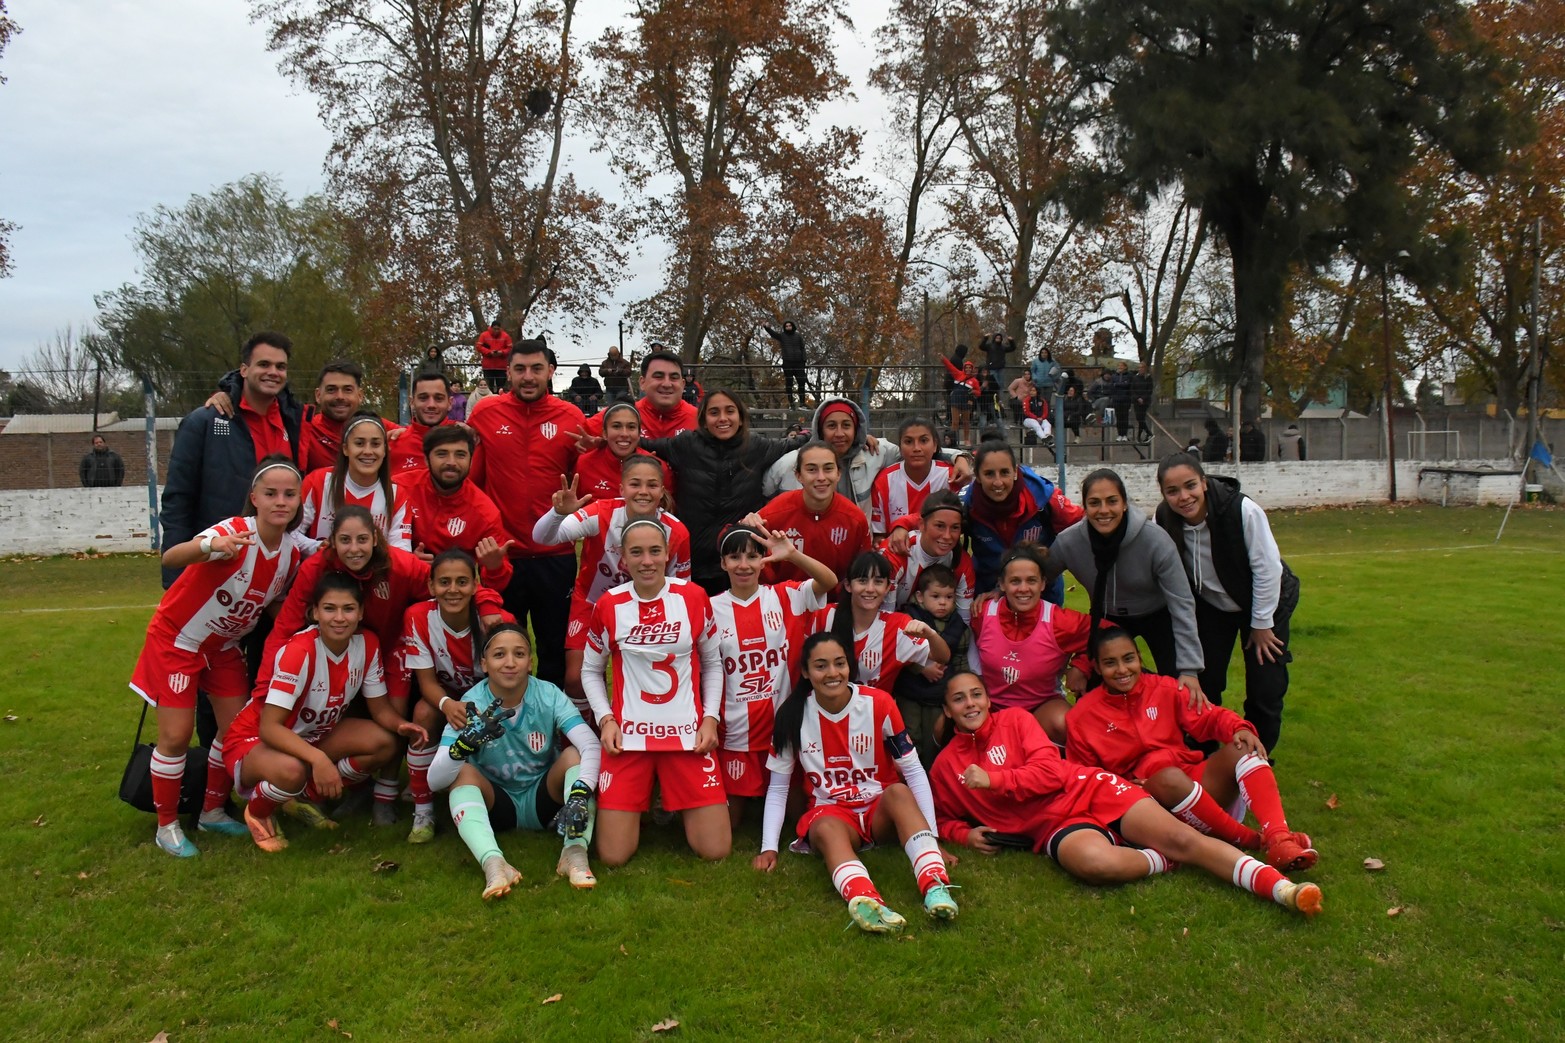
x,y
63,521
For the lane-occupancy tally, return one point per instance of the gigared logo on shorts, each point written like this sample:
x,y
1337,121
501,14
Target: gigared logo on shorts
x,y
536,741
859,743
178,682
1152,713
548,431
997,755
838,535
605,779
735,769
455,526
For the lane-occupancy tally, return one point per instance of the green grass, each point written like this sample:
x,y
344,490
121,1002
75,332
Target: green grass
x,y
1426,696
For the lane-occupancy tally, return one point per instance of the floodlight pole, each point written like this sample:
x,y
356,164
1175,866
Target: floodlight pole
x,y
1391,432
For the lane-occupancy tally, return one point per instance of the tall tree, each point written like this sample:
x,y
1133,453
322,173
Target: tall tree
x,y
1292,124
8,29
1484,314
447,156
718,101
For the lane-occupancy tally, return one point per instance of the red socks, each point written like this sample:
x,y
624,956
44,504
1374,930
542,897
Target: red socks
x,y
1201,811
218,782
929,867
1258,878
1259,786
418,774
168,774
852,880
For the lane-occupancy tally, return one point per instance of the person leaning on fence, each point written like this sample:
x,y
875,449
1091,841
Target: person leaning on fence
x,y
790,346
615,371
1290,444
101,467
585,391
494,354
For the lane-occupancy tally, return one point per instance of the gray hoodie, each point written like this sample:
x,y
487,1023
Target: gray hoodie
x,y
1148,575
859,466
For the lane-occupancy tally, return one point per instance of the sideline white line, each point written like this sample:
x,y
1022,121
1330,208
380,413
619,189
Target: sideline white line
x,y
78,608
1426,550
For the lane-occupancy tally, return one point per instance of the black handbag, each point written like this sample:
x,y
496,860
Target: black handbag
x,y
136,783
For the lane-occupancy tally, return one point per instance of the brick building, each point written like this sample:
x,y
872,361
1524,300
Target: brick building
x,y
42,451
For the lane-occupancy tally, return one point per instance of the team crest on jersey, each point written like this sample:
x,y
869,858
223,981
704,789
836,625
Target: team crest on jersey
x,y
735,769
456,525
383,590
1011,674
536,741
549,430
575,627
1152,713
838,535
869,662
859,743
773,620
178,682
997,755
605,779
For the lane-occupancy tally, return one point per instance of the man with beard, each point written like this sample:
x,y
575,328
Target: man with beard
x,y
431,409
662,407
445,509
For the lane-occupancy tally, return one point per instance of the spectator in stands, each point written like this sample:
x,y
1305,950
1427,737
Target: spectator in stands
x,y
1142,392
494,355
693,392
1290,444
991,421
662,406
615,371
1215,450
1046,373
102,467
995,347
458,402
1121,394
1075,410
585,391
1252,444
790,345
1018,392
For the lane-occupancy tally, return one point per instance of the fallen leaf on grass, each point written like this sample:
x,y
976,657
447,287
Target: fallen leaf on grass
x,y
336,1026
385,866
557,997
1132,910
83,875
1184,932
161,1037
40,821
1374,864
1510,1001
1316,783
1333,803
11,718
1395,910
623,951
668,1025
336,849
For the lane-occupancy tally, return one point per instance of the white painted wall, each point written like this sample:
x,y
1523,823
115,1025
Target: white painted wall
x,y
64,521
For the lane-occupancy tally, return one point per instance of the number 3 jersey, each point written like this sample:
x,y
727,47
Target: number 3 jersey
x,y
760,640
315,686
845,755
652,645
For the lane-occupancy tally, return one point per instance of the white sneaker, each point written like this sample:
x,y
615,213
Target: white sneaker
x,y
573,865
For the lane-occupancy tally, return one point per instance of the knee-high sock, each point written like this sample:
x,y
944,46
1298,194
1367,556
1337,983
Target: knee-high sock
x,y
268,797
1201,811
219,783
168,776
1157,862
418,774
923,850
1259,878
1259,786
472,822
571,775
386,790
851,880
352,771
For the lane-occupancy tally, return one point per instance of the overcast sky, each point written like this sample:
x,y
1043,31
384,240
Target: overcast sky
x,y
114,106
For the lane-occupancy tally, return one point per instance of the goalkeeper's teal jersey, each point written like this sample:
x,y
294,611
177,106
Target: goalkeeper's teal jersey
x,y
522,754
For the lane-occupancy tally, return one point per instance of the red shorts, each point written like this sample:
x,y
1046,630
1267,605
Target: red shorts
x,y
1096,801
688,780
1186,760
576,628
169,676
859,819
744,772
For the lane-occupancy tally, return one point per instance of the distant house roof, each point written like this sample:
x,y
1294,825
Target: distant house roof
x,y
137,423
57,423
1315,411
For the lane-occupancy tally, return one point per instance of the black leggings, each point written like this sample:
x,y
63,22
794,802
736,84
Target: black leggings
x,y
1157,630
794,374
1265,684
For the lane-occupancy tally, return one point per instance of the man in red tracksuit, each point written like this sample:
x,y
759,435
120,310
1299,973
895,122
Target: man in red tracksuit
x,y
526,445
431,409
494,355
444,508
664,412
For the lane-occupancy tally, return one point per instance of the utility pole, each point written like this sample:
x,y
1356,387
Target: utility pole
x,y
1391,433
1534,358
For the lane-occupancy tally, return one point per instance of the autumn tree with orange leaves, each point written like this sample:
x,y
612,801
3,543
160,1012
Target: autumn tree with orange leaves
x,y
446,157
8,28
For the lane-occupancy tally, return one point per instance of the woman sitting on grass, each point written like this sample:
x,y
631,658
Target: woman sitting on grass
x,y
864,783
502,769
999,783
1135,725
296,738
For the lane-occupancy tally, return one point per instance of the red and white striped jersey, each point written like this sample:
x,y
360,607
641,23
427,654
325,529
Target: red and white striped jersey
x,y
905,570
427,643
894,494
314,686
599,527
760,640
214,604
652,645
882,650
844,755
317,513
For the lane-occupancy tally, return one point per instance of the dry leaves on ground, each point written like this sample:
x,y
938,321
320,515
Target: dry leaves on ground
x,y
667,1025
1374,864
557,997
385,866
1395,910
1333,803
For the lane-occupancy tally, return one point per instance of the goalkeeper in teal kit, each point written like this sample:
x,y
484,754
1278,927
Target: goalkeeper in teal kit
x,y
502,770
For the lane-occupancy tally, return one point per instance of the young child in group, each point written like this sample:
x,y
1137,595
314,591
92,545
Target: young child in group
x,y
760,628
502,770
296,738
920,692
232,572
440,642
1000,783
1135,723
882,642
863,781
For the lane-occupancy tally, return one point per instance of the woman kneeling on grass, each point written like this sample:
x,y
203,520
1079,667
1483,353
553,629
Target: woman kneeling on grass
x,y
502,770
999,783
1135,724
864,784
296,738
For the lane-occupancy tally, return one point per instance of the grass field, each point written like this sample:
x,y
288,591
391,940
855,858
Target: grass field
x,y
1426,698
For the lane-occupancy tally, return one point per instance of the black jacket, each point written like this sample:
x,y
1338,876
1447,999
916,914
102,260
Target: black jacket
x,y
995,349
1215,448
718,483
1252,444
790,344
210,467
1141,388
1230,555
1120,389
910,683
103,470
